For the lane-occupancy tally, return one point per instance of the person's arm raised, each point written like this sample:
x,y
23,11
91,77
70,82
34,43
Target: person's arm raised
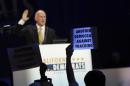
x,y
24,17
69,69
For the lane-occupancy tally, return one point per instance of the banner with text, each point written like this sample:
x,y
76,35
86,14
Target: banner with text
x,y
55,58
82,38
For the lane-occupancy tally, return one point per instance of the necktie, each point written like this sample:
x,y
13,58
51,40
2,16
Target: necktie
x,y
40,36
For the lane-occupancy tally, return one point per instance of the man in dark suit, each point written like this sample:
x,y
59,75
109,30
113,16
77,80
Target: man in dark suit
x,y
38,33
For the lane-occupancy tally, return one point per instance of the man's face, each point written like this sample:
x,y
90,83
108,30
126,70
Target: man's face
x,y
40,18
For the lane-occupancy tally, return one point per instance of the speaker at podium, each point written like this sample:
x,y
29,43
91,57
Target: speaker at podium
x,y
24,57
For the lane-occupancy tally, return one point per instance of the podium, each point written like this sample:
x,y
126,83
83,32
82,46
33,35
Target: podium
x,y
54,56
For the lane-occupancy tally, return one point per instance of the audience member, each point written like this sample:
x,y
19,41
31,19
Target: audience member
x,y
92,78
95,78
44,81
38,33
69,69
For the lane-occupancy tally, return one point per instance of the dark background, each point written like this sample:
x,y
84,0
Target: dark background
x,y
111,17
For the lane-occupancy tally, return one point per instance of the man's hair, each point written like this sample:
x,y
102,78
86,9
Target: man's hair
x,y
39,11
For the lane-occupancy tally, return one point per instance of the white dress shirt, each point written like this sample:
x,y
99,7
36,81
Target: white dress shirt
x,y
21,22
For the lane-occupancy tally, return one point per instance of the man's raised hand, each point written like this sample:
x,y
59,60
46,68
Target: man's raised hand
x,y
25,15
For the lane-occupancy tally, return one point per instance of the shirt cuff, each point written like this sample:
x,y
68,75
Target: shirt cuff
x,y
21,22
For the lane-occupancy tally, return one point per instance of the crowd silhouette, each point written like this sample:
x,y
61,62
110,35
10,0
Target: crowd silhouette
x,y
92,78
43,81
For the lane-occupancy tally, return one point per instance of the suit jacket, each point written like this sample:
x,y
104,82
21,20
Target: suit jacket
x,y
31,35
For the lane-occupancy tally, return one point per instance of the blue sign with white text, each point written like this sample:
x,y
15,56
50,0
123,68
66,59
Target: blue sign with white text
x,y
82,38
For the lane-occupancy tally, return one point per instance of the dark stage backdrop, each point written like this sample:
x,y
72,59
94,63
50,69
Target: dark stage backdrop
x,y
111,17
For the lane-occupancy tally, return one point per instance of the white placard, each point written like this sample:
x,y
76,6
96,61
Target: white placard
x,y
54,55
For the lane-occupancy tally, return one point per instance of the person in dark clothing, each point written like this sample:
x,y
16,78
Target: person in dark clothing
x,y
92,78
44,81
95,78
69,69
38,33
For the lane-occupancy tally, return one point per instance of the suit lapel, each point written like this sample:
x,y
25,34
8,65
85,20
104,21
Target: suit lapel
x,y
45,38
36,34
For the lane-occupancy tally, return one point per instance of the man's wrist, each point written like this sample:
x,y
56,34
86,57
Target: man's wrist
x,y
21,22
